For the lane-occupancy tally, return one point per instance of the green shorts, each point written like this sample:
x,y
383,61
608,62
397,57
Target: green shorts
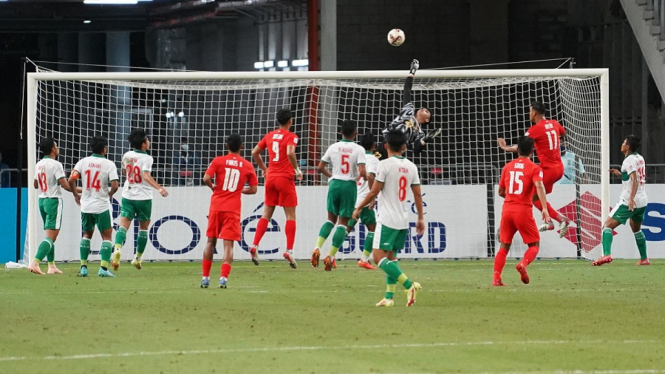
x,y
388,239
102,220
342,197
367,217
139,209
621,213
50,209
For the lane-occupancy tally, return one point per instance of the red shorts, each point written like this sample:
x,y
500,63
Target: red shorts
x,y
224,225
281,191
513,221
551,176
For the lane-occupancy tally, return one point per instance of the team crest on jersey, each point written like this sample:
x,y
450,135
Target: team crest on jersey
x,y
408,123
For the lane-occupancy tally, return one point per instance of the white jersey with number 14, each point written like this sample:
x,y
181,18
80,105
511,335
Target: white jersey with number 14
x,y
397,175
96,173
134,163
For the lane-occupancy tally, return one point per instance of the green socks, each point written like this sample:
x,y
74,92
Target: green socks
x,y
392,269
641,244
105,252
326,228
44,249
607,241
50,257
120,236
367,248
337,240
84,251
391,284
141,243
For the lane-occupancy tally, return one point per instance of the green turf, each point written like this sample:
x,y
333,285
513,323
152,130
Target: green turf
x,y
274,319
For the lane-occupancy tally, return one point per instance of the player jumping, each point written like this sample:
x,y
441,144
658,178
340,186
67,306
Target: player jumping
x,y
280,187
230,172
519,178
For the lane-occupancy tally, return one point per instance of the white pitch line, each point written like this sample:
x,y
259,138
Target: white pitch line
x,y
316,348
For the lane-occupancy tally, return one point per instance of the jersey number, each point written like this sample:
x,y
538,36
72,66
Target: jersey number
x,y
345,164
231,179
41,178
95,181
515,181
642,175
134,174
401,194
275,150
553,138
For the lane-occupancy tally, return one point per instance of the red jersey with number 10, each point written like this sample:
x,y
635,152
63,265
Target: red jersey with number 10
x,y
276,142
519,178
231,173
545,135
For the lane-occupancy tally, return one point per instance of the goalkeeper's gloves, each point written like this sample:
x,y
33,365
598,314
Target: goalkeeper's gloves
x,y
431,135
414,66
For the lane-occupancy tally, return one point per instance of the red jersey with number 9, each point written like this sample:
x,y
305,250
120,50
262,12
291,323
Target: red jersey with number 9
x,y
276,142
231,173
519,178
546,135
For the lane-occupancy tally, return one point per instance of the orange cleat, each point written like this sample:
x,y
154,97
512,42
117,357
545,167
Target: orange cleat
x,y
328,263
497,283
366,265
334,263
602,261
315,258
34,268
523,274
644,262
292,261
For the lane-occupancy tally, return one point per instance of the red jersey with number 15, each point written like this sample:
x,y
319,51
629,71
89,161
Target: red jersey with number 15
x,y
231,173
276,142
545,135
519,178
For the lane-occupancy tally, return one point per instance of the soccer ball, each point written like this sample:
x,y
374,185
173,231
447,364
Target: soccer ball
x,y
396,37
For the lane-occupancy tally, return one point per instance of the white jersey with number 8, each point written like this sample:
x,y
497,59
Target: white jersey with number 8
x,y
96,173
134,163
397,175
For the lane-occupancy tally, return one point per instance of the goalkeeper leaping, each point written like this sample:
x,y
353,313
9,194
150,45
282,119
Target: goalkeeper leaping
x,y
410,121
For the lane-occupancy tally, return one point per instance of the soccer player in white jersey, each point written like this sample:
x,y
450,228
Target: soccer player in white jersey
x,y
136,195
393,178
367,215
632,203
49,177
348,164
96,173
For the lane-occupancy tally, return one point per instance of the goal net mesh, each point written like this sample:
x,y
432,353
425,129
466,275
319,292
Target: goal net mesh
x,y
188,121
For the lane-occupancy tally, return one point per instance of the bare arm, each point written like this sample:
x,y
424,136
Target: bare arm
x,y
633,190
291,155
65,185
114,188
207,180
323,169
72,186
256,155
506,147
502,192
35,184
148,178
363,171
542,196
249,190
418,197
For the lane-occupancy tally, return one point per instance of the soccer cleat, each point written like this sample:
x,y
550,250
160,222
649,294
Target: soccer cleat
x,y
222,282
602,261
366,265
115,259
34,268
497,283
315,258
644,262
53,270
412,292
254,253
105,273
521,268
292,261
83,272
564,228
546,227
386,302
327,263
137,263
334,263
205,282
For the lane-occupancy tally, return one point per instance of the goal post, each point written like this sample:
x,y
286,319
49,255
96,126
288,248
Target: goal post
x,y
473,107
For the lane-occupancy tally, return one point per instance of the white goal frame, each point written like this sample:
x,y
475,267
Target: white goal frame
x,y
34,78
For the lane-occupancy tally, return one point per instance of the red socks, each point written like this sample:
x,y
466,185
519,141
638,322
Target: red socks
x,y
530,255
290,234
499,262
551,211
226,270
261,228
207,264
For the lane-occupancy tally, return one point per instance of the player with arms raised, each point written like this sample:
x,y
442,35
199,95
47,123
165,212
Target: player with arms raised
x,y
546,134
632,203
393,178
280,187
49,178
96,173
519,179
136,195
347,160
230,173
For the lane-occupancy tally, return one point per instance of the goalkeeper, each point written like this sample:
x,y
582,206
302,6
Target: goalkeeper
x,y
409,121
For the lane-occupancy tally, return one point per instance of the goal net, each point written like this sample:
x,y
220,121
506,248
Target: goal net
x,y
189,115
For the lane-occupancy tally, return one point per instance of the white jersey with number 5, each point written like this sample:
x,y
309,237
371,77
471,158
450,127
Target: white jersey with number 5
x,y
345,156
134,163
47,174
397,175
371,165
96,173
633,163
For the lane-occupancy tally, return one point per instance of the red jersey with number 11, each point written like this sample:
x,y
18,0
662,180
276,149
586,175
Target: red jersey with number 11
x,y
276,142
231,173
545,135
519,178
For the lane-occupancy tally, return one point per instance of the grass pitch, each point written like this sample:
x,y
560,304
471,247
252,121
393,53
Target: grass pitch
x,y
572,317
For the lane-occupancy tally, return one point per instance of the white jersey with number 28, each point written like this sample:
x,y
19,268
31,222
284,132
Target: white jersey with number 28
x,y
134,163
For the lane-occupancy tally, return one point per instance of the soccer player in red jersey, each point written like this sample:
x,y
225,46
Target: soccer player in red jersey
x,y
519,179
230,172
280,187
546,134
